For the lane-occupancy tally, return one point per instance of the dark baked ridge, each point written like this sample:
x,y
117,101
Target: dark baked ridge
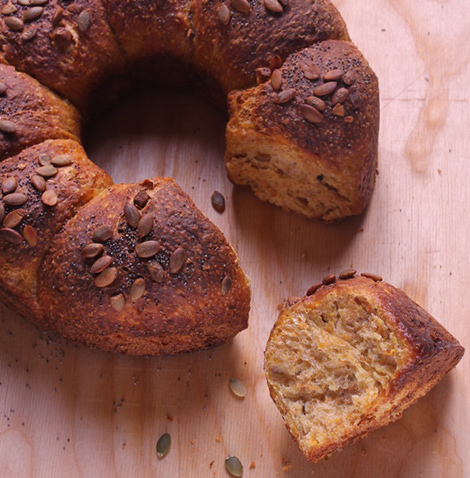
x,y
72,47
350,358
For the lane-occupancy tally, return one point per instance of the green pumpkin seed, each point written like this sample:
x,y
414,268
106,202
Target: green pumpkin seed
x,y
163,445
234,466
237,387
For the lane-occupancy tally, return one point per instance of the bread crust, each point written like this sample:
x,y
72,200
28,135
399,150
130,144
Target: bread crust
x,y
36,113
429,353
184,310
74,185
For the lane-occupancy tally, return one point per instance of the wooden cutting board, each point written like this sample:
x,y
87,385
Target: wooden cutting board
x,y
68,411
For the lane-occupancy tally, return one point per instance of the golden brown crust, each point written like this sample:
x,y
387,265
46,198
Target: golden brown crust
x,y
31,113
336,154
202,304
70,47
232,52
146,28
428,352
73,184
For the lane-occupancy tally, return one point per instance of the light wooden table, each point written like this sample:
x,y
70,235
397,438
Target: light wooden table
x,y
71,412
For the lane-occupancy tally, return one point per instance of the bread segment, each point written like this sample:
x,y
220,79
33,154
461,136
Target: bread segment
x,y
349,359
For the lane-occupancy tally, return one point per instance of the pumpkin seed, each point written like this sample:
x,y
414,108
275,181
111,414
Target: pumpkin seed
x,y
237,387
15,199
30,236
311,290
10,236
311,114
141,199
32,13
44,159
137,289
311,72
39,183
24,2
8,9
347,274
13,218
132,215
156,271
118,302
92,250
29,33
9,185
224,14
38,2
349,78
3,88
276,80
333,75
374,277
317,103
101,264
61,160
340,95
49,198
273,5
145,225
8,126
234,466
218,202
106,278
2,212
57,16
177,260
47,171
226,285
242,6
14,24
285,96
163,445
102,233
147,249
83,21
325,89
329,279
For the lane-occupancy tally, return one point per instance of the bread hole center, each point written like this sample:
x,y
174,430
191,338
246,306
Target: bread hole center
x,y
161,133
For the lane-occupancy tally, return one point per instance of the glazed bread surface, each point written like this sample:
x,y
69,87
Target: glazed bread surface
x,y
350,358
168,280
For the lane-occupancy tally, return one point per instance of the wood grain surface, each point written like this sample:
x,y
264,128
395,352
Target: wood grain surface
x,y
70,412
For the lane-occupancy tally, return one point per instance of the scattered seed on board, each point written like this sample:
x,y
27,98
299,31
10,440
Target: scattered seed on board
x,y
163,445
30,235
224,14
118,302
138,289
132,215
276,80
218,202
177,260
237,387
273,5
9,185
101,264
13,218
312,289
242,6
7,127
374,277
11,236
329,279
145,225
147,249
49,198
311,114
325,89
347,274
234,466
285,96
102,233
15,199
90,251
106,278
226,285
